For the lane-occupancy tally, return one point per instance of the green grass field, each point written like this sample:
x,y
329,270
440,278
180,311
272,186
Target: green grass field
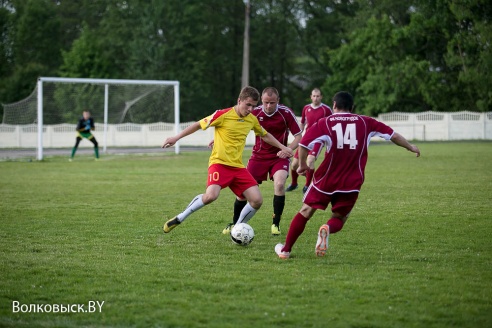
x,y
416,252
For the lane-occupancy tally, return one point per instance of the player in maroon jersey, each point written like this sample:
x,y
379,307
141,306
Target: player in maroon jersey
x,y
339,177
264,163
311,113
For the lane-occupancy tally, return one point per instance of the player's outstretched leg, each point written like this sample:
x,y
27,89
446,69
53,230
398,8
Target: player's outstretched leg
x,y
195,204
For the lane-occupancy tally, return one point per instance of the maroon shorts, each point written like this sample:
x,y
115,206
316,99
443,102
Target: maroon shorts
x,y
236,178
261,169
341,203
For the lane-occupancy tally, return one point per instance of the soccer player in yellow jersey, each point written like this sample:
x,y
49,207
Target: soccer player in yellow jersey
x,y
226,169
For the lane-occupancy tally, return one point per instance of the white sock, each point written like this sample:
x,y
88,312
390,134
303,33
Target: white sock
x,y
246,214
193,206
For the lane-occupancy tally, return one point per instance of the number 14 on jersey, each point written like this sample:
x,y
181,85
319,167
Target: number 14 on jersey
x,y
349,137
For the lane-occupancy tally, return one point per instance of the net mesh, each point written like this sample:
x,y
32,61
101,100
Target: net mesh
x,y
65,102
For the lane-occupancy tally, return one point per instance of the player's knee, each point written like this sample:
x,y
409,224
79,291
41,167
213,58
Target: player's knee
x,y
209,198
256,202
279,186
307,211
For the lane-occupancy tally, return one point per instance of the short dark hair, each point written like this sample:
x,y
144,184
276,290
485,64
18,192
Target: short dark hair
x,y
344,101
270,91
249,92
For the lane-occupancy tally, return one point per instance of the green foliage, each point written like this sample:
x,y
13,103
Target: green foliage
x,y
85,59
327,23
430,56
392,55
30,45
469,52
274,48
204,53
30,30
415,252
5,43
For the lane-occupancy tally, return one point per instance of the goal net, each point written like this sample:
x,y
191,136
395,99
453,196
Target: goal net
x,y
57,103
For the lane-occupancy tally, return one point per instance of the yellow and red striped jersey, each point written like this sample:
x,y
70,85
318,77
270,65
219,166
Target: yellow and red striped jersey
x,y
230,135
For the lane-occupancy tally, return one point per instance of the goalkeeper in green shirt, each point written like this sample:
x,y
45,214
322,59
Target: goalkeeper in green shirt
x,y
84,127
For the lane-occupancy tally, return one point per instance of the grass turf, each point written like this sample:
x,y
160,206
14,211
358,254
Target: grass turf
x,y
416,251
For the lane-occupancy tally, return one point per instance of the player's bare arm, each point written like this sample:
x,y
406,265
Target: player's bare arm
x,y
295,143
187,131
311,159
399,140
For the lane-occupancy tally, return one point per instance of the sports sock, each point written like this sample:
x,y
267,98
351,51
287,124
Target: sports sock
x,y
294,175
238,207
246,214
335,225
74,149
295,230
309,176
193,206
278,208
96,151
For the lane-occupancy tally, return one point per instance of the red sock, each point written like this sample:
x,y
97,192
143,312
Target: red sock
x,y
294,175
295,230
309,176
335,225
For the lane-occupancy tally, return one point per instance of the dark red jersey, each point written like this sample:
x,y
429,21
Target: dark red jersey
x,y
311,115
279,124
346,137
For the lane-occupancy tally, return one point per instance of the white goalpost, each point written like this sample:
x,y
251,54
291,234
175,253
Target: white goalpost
x,y
131,101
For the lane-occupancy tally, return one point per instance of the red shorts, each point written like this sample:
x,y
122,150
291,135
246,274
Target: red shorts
x,y
315,151
236,178
341,203
260,169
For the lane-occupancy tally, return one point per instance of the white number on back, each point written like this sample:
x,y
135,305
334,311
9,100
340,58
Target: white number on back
x,y
347,138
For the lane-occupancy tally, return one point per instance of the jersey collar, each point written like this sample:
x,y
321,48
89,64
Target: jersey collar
x,y
269,115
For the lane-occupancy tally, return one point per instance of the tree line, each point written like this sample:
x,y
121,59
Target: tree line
x,y
392,55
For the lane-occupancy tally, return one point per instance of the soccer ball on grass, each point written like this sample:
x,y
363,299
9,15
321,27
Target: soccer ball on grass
x,y
242,234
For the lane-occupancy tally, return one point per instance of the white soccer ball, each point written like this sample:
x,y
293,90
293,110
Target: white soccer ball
x,y
242,234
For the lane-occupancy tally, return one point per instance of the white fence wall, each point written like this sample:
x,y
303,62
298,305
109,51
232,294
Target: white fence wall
x,y
118,135
426,126
441,126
